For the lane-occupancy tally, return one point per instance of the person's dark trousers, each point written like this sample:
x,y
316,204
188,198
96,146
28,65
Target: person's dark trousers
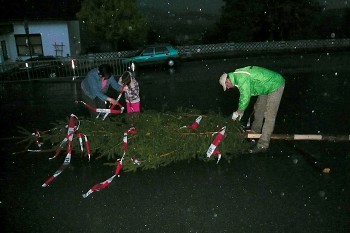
x,y
95,103
265,112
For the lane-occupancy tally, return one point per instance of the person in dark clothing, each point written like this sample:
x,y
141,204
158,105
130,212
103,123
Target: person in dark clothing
x,y
95,86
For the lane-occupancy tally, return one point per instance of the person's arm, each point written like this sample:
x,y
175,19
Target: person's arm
x,y
244,95
134,90
137,87
95,86
115,85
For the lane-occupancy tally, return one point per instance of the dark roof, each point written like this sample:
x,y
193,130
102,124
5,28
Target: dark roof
x,y
13,10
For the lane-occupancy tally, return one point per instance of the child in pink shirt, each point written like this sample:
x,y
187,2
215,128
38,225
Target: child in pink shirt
x,y
131,89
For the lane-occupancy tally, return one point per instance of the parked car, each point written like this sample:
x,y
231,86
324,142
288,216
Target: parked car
x,y
154,55
39,68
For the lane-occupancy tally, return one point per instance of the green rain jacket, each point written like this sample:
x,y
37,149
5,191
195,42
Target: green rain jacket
x,y
254,81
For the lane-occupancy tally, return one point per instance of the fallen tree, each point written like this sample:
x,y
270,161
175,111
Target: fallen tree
x,y
158,139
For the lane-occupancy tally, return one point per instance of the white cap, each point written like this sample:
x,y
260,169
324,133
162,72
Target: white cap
x,y
222,80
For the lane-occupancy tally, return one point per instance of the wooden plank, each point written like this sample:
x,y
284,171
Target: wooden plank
x,y
298,137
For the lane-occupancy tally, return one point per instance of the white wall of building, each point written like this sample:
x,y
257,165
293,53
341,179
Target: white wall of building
x,y
51,33
66,33
10,46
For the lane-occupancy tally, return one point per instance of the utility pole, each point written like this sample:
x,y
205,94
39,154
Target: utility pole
x,y
26,29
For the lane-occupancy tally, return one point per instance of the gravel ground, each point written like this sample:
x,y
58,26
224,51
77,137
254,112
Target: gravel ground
x,y
283,190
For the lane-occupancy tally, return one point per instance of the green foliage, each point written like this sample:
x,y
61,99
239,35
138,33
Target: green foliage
x,y
334,21
345,23
160,139
249,20
115,21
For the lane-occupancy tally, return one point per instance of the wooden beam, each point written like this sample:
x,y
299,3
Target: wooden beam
x,y
295,137
310,159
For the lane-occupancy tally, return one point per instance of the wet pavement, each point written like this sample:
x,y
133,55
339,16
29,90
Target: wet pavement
x,y
281,191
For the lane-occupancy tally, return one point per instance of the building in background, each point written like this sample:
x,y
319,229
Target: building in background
x,y
24,39
38,28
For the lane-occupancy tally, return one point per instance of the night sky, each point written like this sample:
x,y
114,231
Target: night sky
x,y
335,3
40,9
214,5
173,6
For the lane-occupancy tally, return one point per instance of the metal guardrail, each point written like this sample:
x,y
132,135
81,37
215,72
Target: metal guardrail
x,y
78,67
56,69
239,48
262,47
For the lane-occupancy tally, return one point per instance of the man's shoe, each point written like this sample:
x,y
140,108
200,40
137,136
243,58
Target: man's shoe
x,y
257,149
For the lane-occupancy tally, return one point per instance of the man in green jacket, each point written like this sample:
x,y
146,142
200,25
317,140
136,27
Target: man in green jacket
x,y
268,86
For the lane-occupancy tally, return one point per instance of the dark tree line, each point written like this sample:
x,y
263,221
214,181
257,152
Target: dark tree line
x,y
125,26
268,20
122,24
116,23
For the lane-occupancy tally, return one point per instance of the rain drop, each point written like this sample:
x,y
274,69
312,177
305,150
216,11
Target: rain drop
x,y
322,193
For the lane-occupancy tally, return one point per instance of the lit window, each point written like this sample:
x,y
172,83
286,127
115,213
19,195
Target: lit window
x,y
29,45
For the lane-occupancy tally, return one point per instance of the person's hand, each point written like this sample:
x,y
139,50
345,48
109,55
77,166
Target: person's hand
x,y
112,101
125,88
237,115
